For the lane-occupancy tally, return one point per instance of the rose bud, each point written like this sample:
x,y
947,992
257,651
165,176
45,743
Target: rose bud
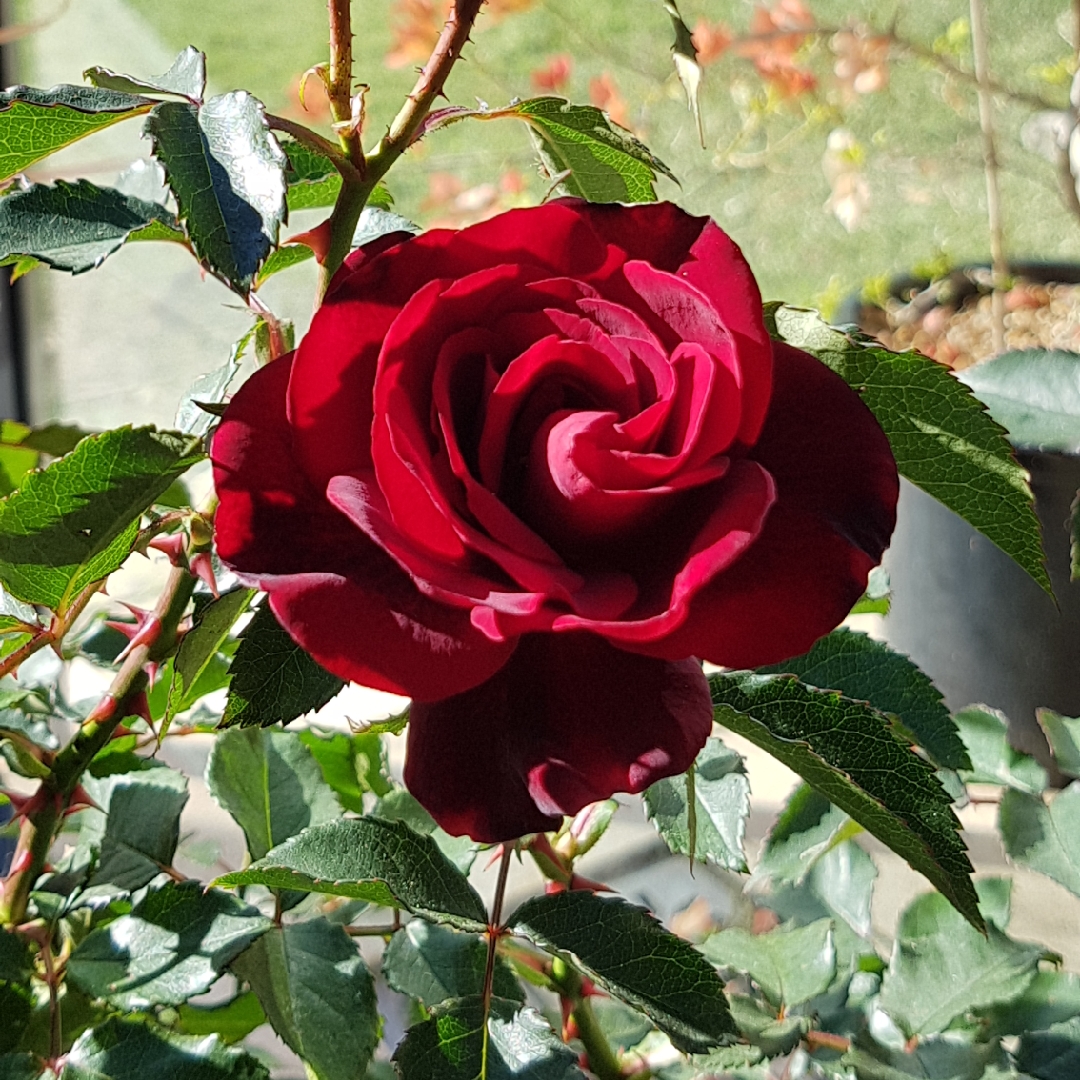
x,y
530,474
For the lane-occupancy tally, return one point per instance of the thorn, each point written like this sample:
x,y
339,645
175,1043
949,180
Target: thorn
x,y
588,885
18,802
80,800
102,711
140,707
21,863
203,568
146,633
173,545
318,239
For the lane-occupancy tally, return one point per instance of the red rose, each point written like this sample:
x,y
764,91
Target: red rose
x,y
527,474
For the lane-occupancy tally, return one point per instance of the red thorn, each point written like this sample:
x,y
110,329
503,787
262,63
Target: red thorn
x,y
569,1025
103,710
139,706
174,545
496,855
318,239
19,802
588,885
203,568
80,800
21,863
152,668
553,887
149,630
588,988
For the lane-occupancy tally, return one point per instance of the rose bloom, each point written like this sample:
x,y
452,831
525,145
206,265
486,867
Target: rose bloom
x,y
530,474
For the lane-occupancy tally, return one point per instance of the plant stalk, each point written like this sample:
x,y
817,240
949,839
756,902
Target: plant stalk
x,y
602,1060
999,268
41,825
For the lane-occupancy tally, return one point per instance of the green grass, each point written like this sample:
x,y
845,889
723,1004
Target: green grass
x,y
923,154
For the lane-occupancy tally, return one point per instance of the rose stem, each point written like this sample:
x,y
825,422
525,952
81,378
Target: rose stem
x,y
41,825
53,636
354,194
494,932
999,268
602,1060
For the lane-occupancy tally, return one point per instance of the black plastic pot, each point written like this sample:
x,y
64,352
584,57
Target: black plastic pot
x,y
964,611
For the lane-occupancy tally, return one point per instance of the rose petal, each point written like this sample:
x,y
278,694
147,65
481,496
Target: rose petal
x,y
569,720
837,488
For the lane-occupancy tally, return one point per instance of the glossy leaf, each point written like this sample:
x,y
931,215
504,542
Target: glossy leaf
x,y
121,1049
1044,838
192,416
721,796
943,439
15,616
282,258
75,522
137,829
867,670
808,827
1053,1054
1034,394
627,952
199,646
231,1020
36,123
318,996
384,862
270,784
993,761
435,964
851,755
314,182
451,1045
399,805
75,226
173,945
273,679
942,968
351,764
228,174
185,78
24,717
1063,734
789,964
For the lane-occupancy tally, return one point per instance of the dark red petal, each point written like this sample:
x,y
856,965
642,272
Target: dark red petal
x,y
836,487
380,631
568,721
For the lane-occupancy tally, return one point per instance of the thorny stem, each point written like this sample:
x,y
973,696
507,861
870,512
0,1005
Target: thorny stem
x,y
40,827
494,932
429,85
56,1031
602,1060
1000,270
53,635
339,82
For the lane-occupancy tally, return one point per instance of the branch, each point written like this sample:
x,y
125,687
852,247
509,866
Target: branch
x,y
602,1060
41,825
339,80
316,142
53,636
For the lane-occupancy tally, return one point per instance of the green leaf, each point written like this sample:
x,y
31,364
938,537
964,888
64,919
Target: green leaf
x,y
173,945
75,226
1063,734
136,830
125,1050
36,123
1053,1054
22,1067
942,968
808,827
761,1027
210,389
16,996
383,862
318,995
270,784
435,963
273,679
721,794
937,1057
451,1045
351,764
185,78
859,667
24,717
283,258
15,616
75,522
1050,998
993,761
995,900
877,600
630,955
314,182
943,439
1044,838
789,964
199,646
232,1020
1034,394
851,755
399,805
228,174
